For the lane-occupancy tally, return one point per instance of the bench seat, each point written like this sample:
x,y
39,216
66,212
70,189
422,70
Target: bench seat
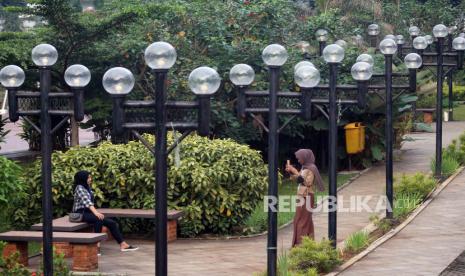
x,y
64,225
84,246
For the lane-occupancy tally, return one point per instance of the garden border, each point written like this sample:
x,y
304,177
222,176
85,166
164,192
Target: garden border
x,y
371,227
343,186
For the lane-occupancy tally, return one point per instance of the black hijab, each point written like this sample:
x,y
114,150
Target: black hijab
x,y
80,178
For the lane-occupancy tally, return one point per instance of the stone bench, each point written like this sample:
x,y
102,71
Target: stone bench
x,y
84,246
64,225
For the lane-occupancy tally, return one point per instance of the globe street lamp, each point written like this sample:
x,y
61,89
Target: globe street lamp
x,y
373,32
333,55
414,31
77,77
420,44
118,82
12,77
440,32
388,48
322,37
274,56
400,41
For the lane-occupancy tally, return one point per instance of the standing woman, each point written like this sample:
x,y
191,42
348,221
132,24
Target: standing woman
x,y
308,178
84,204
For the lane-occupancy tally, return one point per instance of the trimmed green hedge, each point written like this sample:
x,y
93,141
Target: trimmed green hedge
x,y
218,182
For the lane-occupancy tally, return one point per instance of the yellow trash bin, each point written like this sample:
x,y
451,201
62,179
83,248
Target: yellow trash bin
x,y
355,138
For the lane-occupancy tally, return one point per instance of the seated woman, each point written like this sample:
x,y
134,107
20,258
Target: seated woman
x,y
308,177
84,203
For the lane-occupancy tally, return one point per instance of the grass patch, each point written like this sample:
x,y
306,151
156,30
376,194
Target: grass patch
x,y
405,203
459,112
356,242
449,164
257,222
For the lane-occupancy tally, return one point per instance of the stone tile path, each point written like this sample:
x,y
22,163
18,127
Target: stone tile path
x,y
13,143
246,256
428,244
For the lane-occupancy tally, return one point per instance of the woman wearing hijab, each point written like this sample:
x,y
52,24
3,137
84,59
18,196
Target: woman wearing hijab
x,y
308,178
84,204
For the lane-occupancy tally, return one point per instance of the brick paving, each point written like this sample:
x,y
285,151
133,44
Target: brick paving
x,y
428,244
246,256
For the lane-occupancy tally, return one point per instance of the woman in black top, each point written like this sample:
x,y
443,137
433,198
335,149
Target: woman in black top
x,y
84,203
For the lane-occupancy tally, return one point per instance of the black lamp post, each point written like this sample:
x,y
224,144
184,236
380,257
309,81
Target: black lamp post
x,y
203,81
77,77
388,48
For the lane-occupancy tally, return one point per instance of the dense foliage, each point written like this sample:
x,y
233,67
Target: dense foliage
x,y
218,34
3,131
217,183
11,185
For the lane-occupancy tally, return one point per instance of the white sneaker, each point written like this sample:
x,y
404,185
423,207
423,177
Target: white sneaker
x,y
130,248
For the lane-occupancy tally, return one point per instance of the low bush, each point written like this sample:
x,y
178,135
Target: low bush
x,y
217,183
313,255
356,242
10,266
11,191
418,183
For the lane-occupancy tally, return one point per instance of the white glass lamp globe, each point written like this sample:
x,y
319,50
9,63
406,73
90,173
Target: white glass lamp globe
x,y
373,29
274,55
160,55
400,40
303,63
12,76
44,55
333,53
304,46
307,76
204,81
118,81
321,35
440,30
420,43
452,29
341,43
458,43
429,39
390,36
414,31
366,58
242,75
362,71
413,61
388,47
77,75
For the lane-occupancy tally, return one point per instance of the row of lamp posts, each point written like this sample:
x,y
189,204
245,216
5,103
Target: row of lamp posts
x,y
446,46
204,82
118,82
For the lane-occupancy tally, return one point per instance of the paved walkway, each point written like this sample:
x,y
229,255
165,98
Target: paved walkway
x,y
246,256
13,143
428,244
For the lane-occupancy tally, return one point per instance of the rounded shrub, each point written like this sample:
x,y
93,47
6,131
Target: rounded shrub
x,y
217,182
